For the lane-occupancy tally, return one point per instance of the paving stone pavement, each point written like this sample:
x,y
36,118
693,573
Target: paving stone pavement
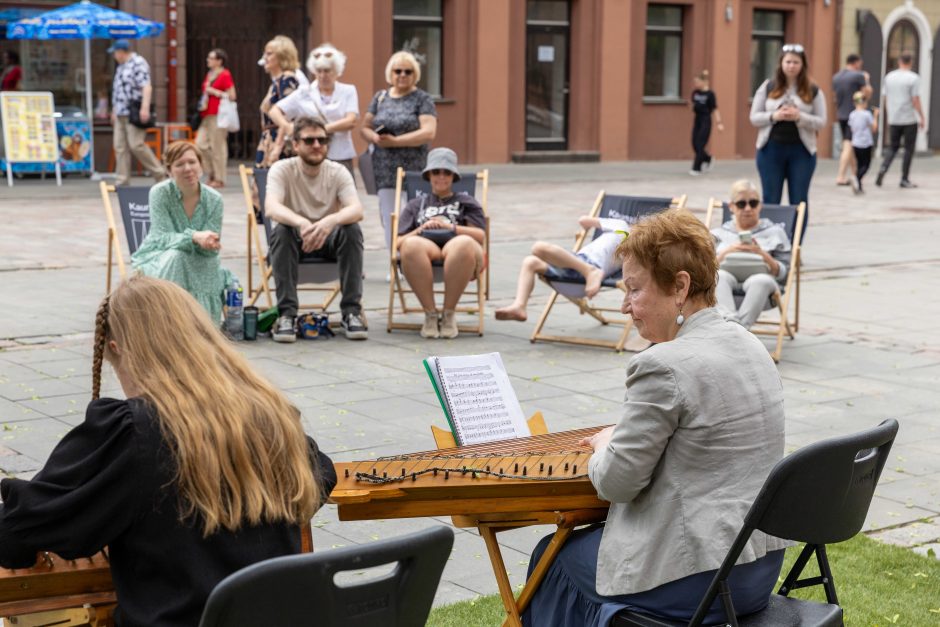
x,y
868,347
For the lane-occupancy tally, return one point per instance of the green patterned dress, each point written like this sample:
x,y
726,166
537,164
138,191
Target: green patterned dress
x,y
168,252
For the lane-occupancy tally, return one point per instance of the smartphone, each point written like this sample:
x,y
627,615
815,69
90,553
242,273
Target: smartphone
x,y
381,130
746,237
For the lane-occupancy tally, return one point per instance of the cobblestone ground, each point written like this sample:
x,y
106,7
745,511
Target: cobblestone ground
x,y
868,347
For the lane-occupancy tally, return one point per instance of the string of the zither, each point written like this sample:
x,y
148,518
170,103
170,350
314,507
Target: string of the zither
x,y
559,443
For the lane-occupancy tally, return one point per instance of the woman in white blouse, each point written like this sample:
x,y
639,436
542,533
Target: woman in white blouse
x,y
336,103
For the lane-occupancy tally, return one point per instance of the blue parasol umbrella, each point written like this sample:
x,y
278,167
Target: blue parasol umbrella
x,y
84,20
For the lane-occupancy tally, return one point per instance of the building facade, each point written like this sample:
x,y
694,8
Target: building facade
x,y
880,30
513,79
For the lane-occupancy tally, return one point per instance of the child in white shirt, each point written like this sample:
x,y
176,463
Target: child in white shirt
x,y
864,124
593,263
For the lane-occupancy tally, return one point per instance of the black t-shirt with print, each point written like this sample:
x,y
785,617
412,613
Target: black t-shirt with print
x,y
460,208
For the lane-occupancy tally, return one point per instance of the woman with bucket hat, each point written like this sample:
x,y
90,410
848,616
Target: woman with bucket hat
x,y
447,226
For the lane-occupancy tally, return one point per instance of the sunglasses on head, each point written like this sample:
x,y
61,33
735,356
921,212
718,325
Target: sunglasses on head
x,y
797,48
328,54
310,141
753,203
405,71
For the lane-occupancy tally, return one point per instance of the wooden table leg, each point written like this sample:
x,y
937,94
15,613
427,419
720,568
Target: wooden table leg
x,y
502,579
538,573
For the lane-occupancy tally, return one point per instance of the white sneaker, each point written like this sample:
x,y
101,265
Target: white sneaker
x,y
695,173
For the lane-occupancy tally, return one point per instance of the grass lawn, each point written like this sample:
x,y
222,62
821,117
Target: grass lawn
x,y
877,584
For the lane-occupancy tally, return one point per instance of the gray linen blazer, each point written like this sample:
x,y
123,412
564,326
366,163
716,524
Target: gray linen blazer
x,y
702,427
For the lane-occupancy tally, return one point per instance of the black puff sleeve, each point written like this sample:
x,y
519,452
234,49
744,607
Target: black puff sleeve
x,y
84,496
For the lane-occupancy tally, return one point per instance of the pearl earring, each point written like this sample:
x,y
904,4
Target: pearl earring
x,y
680,318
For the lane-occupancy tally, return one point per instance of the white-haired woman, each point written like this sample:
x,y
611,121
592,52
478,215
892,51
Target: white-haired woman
x,y
401,122
333,102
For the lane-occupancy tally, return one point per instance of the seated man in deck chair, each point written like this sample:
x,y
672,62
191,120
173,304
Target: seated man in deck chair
x,y
594,263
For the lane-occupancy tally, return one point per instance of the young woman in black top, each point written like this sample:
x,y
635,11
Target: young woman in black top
x,y
705,106
203,470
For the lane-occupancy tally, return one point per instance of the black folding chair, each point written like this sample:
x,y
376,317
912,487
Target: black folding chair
x,y
818,495
134,203
301,590
314,275
629,208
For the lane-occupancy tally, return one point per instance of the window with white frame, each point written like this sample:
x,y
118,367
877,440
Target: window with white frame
x,y
663,70
418,28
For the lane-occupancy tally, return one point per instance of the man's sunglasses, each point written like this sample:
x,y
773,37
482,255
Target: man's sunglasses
x,y
797,48
753,203
310,141
405,71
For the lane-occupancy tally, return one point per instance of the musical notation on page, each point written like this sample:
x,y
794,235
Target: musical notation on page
x,y
477,397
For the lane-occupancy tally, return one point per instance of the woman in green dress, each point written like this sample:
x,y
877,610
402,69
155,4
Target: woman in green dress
x,y
185,223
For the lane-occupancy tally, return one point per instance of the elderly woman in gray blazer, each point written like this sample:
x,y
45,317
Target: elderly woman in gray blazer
x,y
702,426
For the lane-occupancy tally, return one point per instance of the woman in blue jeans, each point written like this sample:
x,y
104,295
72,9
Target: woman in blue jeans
x,y
788,111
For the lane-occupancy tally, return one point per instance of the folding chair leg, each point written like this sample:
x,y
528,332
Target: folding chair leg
x,y
544,316
624,335
392,283
480,299
107,285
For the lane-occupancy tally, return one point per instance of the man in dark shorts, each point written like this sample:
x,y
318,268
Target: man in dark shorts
x,y
845,83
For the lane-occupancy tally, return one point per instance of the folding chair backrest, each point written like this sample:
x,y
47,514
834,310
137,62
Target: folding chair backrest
x,y
414,185
821,493
135,213
261,181
301,589
630,208
785,215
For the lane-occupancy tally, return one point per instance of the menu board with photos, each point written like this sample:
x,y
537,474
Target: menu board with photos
x,y
29,131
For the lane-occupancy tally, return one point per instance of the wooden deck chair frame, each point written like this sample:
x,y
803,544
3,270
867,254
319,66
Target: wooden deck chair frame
x,y
478,287
258,256
601,314
489,526
791,288
114,242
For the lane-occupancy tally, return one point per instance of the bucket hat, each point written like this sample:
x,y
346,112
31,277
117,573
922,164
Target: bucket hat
x,y
442,159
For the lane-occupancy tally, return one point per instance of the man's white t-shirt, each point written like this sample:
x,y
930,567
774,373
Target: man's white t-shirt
x,y
901,86
343,100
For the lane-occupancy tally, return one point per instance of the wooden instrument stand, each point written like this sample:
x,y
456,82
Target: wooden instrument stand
x,y
491,524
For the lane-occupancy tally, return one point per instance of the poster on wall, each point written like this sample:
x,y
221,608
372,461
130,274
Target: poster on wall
x,y
74,145
29,130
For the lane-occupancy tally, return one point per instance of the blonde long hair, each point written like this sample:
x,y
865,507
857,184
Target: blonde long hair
x,y
239,445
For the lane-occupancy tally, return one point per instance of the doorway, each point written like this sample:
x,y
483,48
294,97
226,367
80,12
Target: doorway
x,y
546,74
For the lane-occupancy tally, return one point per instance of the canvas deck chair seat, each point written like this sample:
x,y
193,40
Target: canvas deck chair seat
x,y
412,185
314,274
134,203
791,218
630,209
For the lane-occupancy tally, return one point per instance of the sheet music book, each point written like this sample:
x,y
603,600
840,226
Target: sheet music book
x,y
477,398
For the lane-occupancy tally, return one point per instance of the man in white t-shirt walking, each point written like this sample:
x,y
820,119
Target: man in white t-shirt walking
x,y
314,203
902,102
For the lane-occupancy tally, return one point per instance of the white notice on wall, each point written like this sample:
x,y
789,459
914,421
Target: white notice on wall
x,y
546,54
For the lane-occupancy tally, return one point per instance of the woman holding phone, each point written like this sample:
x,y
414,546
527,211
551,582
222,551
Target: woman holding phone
x,y
753,255
788,111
